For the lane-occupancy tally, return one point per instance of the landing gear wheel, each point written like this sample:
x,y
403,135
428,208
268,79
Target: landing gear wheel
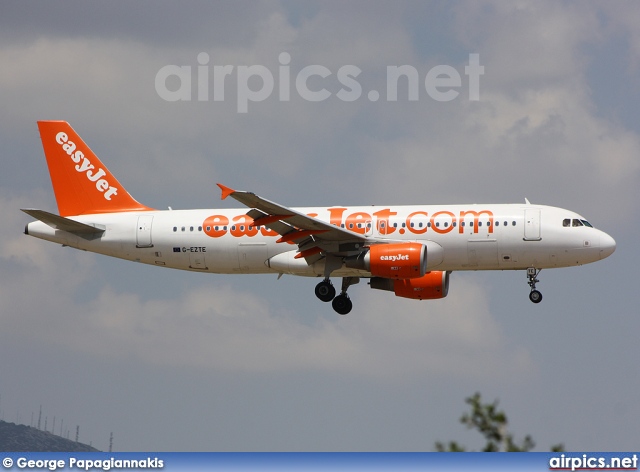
x,y
342,304
535,296
325,291
532,274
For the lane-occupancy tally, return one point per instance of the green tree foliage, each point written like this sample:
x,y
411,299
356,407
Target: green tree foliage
x,y
492,424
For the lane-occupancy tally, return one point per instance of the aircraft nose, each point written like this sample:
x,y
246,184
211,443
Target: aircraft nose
x,y
607,245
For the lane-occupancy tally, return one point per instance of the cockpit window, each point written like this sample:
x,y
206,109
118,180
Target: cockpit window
x,y
567,222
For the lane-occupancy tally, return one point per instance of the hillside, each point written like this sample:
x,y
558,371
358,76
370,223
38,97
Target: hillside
x,y
21,438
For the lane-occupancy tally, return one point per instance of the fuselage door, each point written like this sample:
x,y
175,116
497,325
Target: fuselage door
x,y
197,261
252,256
143,231
482,253
532,224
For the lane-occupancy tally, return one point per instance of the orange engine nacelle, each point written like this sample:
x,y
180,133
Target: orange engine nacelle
x,y
397,261
431,286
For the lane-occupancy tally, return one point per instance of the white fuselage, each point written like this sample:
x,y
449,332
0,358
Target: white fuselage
x,y
468,237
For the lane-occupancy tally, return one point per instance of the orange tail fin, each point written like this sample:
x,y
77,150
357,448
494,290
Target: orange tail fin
x,y
81,182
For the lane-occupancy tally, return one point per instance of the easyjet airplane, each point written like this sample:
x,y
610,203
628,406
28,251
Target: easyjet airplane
x,y
408,250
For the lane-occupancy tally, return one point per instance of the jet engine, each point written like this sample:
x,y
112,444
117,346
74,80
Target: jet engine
x,y
394,261
430,286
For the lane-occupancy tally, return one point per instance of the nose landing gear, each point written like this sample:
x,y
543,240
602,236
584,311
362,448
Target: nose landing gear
x,y
532,274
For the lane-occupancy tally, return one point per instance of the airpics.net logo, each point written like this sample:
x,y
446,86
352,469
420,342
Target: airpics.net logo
x,y
256,83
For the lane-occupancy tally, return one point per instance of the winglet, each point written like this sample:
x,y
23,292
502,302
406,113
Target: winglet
x,y
226,191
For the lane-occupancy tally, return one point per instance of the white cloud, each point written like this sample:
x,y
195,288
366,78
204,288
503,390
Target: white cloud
x,y
527,44
534,133
621,19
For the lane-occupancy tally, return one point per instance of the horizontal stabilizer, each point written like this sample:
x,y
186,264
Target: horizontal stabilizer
x,y
65,224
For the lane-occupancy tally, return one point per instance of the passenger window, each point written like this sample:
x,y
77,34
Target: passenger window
x,y
513,223
175,228
183,228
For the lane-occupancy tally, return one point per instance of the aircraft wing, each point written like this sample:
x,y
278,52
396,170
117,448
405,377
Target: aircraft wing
x,y
313,236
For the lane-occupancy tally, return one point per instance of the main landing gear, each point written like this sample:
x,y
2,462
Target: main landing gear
x,y
532,274
326,292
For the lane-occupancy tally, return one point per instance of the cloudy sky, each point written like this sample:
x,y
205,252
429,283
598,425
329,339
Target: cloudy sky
x,y
170,360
